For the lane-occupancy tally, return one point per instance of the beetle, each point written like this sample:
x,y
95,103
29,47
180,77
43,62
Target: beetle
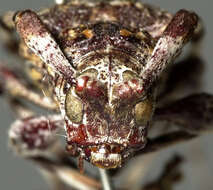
x,y
99,65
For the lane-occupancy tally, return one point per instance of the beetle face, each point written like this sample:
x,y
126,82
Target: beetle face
x,y
107,120
107,110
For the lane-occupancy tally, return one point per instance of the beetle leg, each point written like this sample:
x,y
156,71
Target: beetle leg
x,y
7,32
6,21
164,141
169,176
137,172
40,41
34,138
20,109
169,45
31,134
183,78
193,114
14,87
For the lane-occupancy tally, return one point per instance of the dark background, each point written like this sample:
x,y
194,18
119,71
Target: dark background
x,y
19,174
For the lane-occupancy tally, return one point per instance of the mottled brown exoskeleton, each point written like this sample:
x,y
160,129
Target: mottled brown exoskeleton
x,y
99,65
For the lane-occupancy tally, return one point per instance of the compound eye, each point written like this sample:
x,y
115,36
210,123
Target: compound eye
x,y
73,107
143,112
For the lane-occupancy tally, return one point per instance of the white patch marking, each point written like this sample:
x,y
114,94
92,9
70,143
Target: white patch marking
x,y
59,2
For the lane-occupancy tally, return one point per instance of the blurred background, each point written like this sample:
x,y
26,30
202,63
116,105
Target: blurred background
x,y
198,168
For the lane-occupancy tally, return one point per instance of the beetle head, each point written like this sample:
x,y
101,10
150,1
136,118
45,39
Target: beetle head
x,y
108,109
